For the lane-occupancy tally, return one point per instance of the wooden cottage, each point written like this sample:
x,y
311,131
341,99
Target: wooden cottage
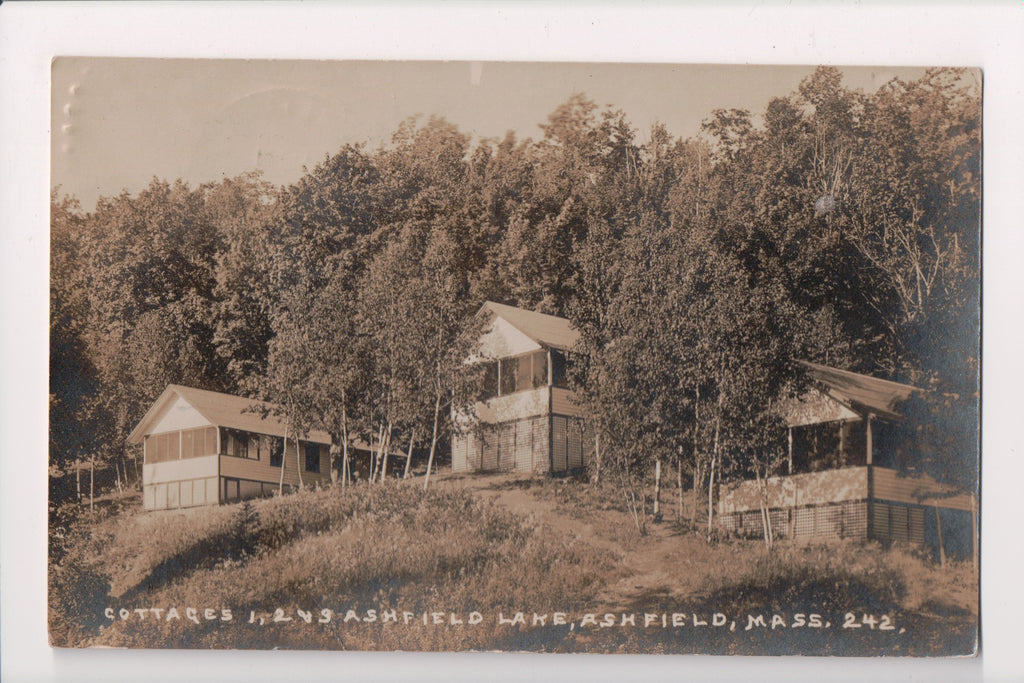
x,y
847,473
527,420
205,448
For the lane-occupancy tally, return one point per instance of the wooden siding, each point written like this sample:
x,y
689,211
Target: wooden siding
x,y
262,471
178,415
917,490
180,494
562,403
178,470
503,340
813,488
460,452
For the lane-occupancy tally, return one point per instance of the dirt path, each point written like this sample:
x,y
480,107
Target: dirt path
x,y
657,568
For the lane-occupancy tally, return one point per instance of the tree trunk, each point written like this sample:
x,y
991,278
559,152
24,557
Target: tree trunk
x,y
711,485
298,459
942,548
679,486
657,488
78,480
375,468
597,456
385,449
698,477
408,456
345,465
284,457
696,457
762,494
92,476
433,441
334,458
711,479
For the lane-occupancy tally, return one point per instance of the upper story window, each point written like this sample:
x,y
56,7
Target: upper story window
x,y
275,447
236,443
559,377
518,373
312,457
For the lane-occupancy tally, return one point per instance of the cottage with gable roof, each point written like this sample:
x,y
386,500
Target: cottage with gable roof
x,y
527,419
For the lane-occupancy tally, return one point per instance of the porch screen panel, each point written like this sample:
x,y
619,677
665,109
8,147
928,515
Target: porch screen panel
x,y
880,520
506,445
199,491
148,498
187,439
489,456
541,444
575,444
540,369
249,489
459,444
829,522
172,494
474,459
803,522
898,530
558,444
524,445
211,441
780,523
916,525
855,519
160,496
211,490
174,446
186,494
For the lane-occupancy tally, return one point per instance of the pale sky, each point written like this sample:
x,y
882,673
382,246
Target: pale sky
x,y
116,123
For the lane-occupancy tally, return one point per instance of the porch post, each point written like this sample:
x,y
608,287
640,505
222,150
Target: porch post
x,y
842,442
870,444
790,460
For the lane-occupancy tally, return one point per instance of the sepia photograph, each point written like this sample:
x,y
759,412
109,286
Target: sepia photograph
x,y
515,356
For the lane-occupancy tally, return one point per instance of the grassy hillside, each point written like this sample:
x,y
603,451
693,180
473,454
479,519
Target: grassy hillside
x,y
396,568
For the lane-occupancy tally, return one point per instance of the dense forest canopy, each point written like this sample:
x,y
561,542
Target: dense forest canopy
x,y
844,230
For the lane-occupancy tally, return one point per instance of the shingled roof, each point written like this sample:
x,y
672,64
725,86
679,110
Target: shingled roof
x,y
222,410
546,330
862,393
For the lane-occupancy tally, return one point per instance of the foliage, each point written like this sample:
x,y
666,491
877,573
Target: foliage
x,y
844,230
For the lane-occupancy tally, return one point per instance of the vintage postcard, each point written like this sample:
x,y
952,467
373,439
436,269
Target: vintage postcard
x,y
516,357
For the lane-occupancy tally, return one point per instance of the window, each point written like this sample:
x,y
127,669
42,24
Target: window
x,y
507,376
540,369
276,449
238,444
524,373
254,447
312,457
558,369
490,388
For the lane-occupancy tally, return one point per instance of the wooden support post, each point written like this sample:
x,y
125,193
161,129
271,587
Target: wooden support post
x,y
942,548
870,440
842,442
790,458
